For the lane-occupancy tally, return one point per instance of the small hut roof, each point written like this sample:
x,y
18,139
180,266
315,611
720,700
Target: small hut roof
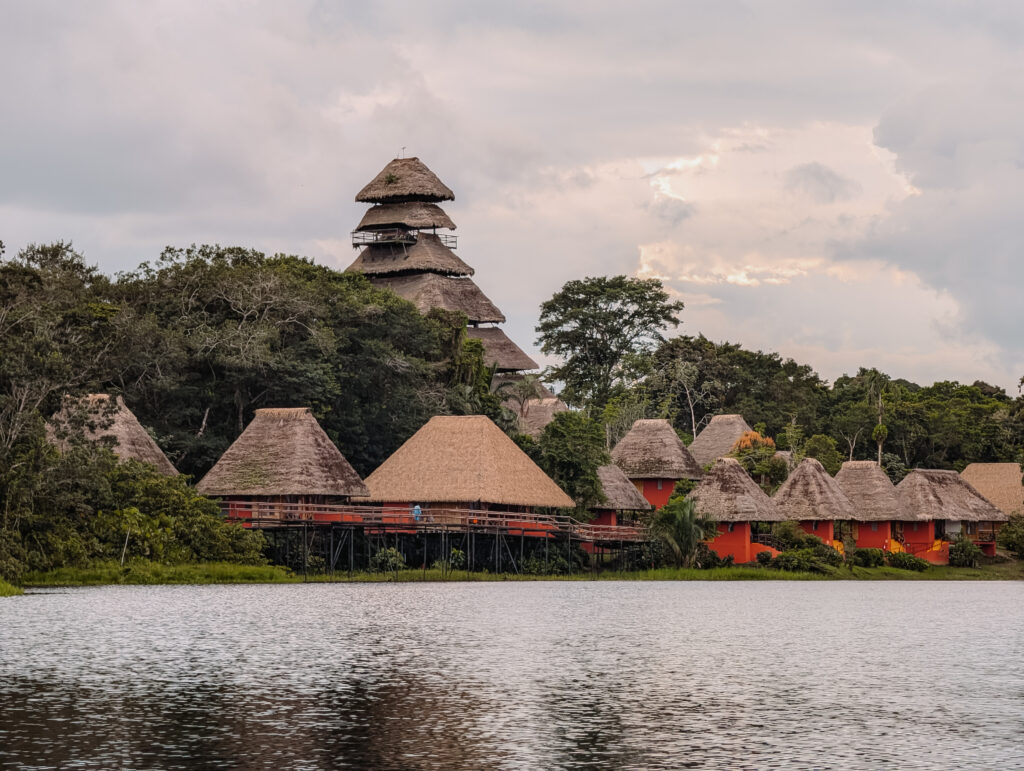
x,y
107,416
536,413
620,494
283,451
927,494
717,438
651,449
500,351
463,459
999,482
810,493
426,254
430,290
414,214
728,494
405,179
870,491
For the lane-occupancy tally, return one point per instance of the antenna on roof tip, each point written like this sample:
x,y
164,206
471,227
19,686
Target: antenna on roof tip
x,y
402,154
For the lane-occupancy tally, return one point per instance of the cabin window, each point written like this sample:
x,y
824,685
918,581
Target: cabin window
x,y
659,484
732,526
971,527
814,525
874,527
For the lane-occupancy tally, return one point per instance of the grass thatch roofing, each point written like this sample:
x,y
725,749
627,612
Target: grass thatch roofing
x,y
999,482
430,290
405,179
728,494
463,460
620,494
870,491
283,451
927,494
536,413
717,438
427,254
103,416
810,493
651,449
500,351
415,214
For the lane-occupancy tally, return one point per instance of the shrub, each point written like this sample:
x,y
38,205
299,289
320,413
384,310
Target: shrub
x,y
389,559
764,558
456,561
1011,536
826,554
708,559
790,536
905,561
964,553
799,560
867,558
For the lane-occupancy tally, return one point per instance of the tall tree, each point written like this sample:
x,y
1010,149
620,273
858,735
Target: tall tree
x,y
599,326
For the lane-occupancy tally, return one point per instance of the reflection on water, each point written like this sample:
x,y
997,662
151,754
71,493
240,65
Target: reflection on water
x,y
531,675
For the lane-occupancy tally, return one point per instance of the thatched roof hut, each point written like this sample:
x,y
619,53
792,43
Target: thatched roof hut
x,y
717,438
620,494
809,493
463,459
927,494
870,491
430,290
500,351
535,414
283,451
651,449
414,215
405,179
101,417
728,494
426,254
999,482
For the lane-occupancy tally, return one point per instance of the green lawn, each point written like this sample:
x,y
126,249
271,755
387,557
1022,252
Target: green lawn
x,y
154,573
6,590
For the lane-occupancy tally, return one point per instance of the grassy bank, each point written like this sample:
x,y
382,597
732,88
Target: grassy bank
x,y
146,573
153,573
6,590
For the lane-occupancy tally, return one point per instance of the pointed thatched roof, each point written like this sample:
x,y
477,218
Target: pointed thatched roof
x,y
620,494
717,438
999,482
283,451
414,215
810,493
927,494
405,179
427,254
651,449
430,290
870,491
500,351
535,414
101,416
463,459
728,494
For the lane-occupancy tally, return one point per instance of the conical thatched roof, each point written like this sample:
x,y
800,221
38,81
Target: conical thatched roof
x,y
405,179
728,494
810,493
620,494
500,351
283,451
463,459
426,254
414,215
999,482
927,494
535,414
870,491
430,290
717,438
106,416
652,450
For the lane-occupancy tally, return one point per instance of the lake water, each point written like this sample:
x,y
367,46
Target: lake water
x,y
762,675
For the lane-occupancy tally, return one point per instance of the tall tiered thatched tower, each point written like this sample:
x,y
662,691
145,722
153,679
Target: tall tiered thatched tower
x,y
403,251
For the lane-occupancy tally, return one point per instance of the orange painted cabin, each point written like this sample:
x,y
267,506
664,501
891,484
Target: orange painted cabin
x,y
656,491
873,535
734,540
822,528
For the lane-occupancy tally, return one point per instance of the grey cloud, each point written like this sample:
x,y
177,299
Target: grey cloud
x,y
820,183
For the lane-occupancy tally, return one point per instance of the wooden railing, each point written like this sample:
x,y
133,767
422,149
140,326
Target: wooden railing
x,y
267,514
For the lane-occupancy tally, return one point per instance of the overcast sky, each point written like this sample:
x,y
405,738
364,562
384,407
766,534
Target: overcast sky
x,y
840,184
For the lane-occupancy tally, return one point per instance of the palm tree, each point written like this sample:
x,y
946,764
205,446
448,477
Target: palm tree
x,y
679,526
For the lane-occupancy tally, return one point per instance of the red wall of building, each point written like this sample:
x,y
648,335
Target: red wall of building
x,y
825,531
649,487
735,543
873,535
605,517
918,536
